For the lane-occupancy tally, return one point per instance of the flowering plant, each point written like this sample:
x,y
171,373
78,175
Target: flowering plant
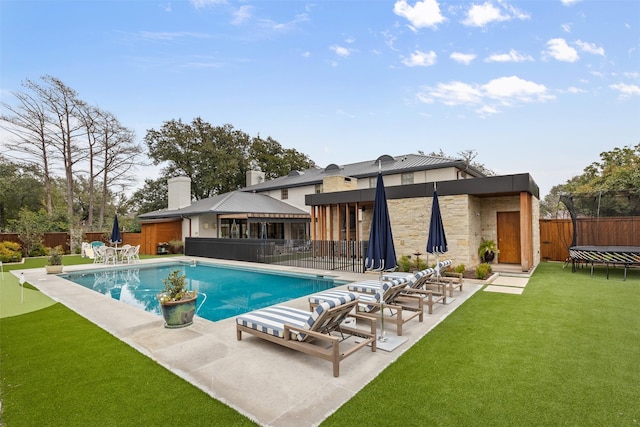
x,y
175,288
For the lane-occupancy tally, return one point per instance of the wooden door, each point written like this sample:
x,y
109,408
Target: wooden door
x,y
509,237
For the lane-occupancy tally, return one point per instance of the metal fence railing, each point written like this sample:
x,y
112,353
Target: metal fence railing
x,y
317,254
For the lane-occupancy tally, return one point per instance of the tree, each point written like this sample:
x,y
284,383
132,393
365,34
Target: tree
x,y
274,160
151,197
610,186
217,158
20,188
52,129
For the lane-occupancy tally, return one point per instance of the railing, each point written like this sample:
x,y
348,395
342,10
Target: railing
x,y
318,254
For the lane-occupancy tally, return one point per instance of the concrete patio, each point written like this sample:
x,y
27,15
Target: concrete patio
x,y
270,384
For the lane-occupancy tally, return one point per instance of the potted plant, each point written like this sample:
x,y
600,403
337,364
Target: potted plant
x,y
54,261
177,303
487,250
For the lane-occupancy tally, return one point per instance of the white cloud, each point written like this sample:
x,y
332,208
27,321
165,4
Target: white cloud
x,y
425,13
488,97
590,48
569,2
513,88
199,4
512,56
168,36
573,89
480,15
243,14
422,59
566,27
453,93
560,50
341,51
463,58
626,91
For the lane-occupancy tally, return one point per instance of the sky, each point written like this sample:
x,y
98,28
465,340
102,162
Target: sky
x,y
539,86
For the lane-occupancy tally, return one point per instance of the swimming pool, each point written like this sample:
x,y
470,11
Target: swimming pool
x,y
223,291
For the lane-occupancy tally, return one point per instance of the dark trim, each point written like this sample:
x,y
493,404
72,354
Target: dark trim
x,y
503,185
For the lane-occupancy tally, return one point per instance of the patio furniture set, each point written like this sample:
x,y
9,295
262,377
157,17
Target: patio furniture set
x,y
325,329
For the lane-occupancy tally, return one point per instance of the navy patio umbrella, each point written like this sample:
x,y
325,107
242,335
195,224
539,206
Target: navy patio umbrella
x,y
437,242
381,254
115,232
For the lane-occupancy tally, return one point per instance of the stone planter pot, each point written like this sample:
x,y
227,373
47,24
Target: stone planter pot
x,y
178,314
53,269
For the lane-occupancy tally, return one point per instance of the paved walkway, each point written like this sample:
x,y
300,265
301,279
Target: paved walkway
x,y
270,384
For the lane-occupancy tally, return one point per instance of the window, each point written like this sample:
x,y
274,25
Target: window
x,y
373,180
318,188
284,194
407,178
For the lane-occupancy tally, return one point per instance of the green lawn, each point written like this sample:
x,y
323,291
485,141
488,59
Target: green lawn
x,y
566,352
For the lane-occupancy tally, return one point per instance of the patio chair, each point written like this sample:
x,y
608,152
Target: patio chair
x,y
310,333
415,286
98,254
110,255
131,255
445,279
402,307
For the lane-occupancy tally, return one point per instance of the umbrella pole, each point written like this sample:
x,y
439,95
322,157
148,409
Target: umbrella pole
x,y
381,336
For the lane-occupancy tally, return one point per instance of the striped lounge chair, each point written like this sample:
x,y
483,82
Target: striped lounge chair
x,y
415,286
445,279
310,332
402,307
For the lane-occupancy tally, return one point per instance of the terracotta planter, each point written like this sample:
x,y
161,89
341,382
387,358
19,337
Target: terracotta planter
x,y
53,269
178,314
489,256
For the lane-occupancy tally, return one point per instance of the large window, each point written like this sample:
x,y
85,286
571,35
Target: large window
x,y
373,180
407,178
318,188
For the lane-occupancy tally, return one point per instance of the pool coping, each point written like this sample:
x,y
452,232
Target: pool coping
x,y
270,384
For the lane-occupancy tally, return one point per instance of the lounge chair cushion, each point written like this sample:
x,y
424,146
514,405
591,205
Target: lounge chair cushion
x,y
373,286
271,320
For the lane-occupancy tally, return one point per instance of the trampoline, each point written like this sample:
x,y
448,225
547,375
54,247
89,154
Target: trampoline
x,y
627,256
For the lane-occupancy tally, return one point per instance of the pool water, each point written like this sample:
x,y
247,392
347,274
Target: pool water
x,y
223,292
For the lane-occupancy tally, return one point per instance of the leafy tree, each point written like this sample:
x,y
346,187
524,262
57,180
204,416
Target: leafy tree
x,y
151,197
274,160
217,158
609,187
20,188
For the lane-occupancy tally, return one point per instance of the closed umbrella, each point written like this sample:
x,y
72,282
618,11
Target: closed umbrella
x,y
381,254
115,232
437,242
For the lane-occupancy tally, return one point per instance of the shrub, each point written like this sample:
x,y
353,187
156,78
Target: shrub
x,y
38,249
10,251
55,256
483,271
404,263
460,269
176,246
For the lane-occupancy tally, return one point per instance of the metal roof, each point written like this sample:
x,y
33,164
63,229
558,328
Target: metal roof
x,y
388,165
229,203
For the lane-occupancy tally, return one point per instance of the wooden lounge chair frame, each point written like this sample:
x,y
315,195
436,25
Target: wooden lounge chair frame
x,y
395,301
319,342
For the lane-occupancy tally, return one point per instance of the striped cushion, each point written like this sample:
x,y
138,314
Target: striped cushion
x,y
271,320
443,265
373,286
419,275
333,298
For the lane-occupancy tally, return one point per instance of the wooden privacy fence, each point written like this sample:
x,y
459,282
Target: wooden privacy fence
x,y
51,240
556,235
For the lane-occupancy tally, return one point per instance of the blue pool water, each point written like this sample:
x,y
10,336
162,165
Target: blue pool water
x,y
222,291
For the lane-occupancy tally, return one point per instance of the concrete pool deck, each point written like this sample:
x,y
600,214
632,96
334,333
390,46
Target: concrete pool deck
x,y
270,384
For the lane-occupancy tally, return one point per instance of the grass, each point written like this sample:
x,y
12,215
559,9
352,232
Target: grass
x,y
565,352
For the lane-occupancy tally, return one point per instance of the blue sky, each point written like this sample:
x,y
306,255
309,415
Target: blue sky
x,y
538,86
